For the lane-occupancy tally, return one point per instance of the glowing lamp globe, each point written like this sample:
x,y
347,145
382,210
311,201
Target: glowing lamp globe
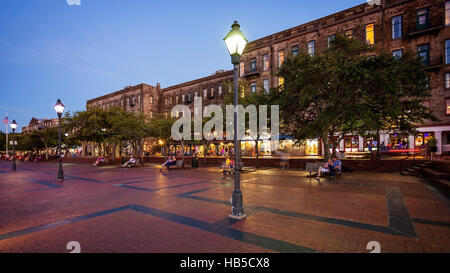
x,y
13,125
59,107
235,40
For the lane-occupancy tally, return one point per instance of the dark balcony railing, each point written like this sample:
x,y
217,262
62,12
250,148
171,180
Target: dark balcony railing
x,y
434,24
252,72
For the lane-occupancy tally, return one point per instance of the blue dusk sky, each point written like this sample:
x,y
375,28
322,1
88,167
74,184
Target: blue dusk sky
x,y
50,49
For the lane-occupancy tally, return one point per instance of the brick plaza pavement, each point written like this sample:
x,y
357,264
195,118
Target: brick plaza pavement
x,y
110,209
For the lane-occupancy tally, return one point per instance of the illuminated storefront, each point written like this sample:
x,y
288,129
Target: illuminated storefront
x,y
351,144
422,139
312,147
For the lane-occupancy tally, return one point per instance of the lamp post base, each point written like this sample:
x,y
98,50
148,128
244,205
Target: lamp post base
x,y
60,175
238,217
237,211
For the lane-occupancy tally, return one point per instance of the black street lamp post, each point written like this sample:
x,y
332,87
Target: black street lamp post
x,y
59,108
236,41
13,127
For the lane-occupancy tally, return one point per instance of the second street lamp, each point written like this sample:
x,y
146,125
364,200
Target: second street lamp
x,y
236,41
13,127
59,108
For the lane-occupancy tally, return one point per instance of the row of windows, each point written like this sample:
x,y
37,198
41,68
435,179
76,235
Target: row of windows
x,y
424,53
188,97
130,101
295,50
422,21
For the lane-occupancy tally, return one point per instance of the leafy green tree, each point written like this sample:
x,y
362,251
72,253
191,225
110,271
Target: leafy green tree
x,y
126,127
391,101
343,90
2,141
315,101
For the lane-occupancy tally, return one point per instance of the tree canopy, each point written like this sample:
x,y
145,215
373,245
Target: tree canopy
x,y
348,89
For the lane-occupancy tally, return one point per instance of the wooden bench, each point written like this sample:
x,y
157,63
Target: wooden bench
x,y
179,164
313,167
137,162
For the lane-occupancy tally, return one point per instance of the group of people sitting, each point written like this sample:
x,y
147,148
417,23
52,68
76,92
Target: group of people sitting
x,y
228,165
171,161
100,160
332,166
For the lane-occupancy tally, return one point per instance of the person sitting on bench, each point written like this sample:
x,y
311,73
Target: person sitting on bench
x,y
99,160
330,167
130,162
169,162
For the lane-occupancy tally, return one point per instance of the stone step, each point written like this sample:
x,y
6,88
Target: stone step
x,y
432,174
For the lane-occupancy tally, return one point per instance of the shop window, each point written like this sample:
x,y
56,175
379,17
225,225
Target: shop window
x,y
351,144
422,139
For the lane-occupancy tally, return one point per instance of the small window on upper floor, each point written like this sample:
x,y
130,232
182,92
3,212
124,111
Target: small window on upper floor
x,y
266,62
447,13
397,53
396,27
370,34
253,65
280,58
349,33
330,38
294,50
241,69
311,47
253,87
447,80
266,85
424,53
422,19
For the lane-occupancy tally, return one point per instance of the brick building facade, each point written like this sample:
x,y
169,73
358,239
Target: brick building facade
x,y
37,124
421,26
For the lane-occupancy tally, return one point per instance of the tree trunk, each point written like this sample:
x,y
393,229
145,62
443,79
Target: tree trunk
x,y
182,153
257,154
377,157
326,146
205,152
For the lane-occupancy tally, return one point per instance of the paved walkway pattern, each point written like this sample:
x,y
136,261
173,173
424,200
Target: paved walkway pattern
x,y
110,209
